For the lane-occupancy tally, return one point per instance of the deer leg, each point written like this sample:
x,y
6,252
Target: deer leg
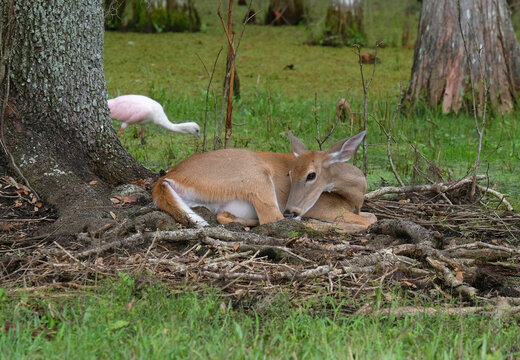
x,y
170,201
265,203
226,217
332,207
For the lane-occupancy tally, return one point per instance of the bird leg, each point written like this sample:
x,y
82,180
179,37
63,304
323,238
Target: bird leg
x,y
143,141
120,131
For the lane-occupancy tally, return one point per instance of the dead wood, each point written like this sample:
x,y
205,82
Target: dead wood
x,y
438,188
371,262
496,308
415,310
275,251
402,228
465,255
451,280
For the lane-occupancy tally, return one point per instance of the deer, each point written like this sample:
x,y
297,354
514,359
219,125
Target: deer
x,y
255,188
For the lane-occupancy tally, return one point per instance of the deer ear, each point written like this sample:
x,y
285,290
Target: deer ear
x,y
298,147
344,150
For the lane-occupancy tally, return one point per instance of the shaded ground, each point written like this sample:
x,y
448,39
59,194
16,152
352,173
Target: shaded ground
x,y
433,247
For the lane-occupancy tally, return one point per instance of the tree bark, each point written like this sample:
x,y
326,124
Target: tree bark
x,y
443,73
285,12
55,121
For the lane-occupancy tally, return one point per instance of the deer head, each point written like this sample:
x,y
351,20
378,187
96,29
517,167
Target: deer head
x,y
311,174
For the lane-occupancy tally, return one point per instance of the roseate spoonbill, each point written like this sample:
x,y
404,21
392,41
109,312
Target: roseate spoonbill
x,y
139,109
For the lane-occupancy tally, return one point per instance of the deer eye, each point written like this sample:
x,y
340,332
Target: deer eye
x,y
311,176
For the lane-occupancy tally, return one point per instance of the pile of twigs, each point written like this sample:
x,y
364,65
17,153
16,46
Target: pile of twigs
x,y
435,249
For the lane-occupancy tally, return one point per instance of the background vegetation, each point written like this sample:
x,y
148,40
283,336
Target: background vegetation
x,y
280,77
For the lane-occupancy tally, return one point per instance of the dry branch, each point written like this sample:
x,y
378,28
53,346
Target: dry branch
x,y
416,310
451,280
439,188
402,227
480,244
381,259
280,251
345,265
495,193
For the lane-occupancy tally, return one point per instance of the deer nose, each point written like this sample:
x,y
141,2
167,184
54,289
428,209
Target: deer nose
x,y
289,214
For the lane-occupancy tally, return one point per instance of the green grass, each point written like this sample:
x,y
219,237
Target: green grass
x,y
163,324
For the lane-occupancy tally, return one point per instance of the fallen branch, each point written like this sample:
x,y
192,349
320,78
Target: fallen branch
x,y
221,233
172,265
481,244
402,227
381,259
439,188
279,251
182,235
451,280
500,196
278,275
134,239
416,310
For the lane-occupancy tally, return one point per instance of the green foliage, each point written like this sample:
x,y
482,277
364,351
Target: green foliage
x,y
141,16
179,21
159,19
120,322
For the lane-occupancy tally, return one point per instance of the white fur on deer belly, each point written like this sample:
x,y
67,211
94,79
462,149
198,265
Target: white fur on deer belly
x,y
239,208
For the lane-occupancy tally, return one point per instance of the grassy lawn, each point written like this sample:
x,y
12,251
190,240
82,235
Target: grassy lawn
x,y
123,322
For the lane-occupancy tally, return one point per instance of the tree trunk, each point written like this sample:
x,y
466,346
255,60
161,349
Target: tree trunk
x,y
443,73
285,12
344,23
55,121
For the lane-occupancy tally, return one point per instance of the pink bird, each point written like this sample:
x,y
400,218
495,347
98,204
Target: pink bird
x,y
139,109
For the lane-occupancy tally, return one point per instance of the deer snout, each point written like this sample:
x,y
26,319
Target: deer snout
x,y
290,213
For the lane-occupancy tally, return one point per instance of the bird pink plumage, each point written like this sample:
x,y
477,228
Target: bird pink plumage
x,y
139,109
